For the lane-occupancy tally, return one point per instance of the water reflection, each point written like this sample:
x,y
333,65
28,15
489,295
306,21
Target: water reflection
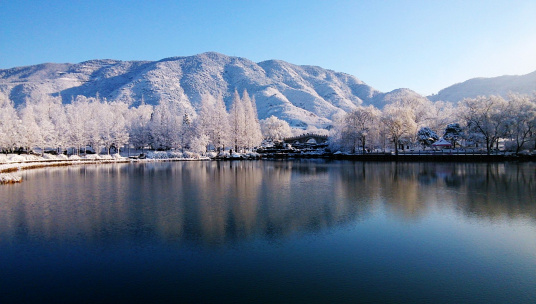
x,y
221,202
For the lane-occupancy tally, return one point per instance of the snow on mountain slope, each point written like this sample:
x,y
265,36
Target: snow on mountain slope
x,y
524,84
398,95
301,95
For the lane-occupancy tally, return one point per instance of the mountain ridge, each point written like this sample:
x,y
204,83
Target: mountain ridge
x,y
303,95
485,86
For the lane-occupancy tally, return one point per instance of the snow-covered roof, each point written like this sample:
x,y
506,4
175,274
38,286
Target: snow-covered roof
x,y
442,143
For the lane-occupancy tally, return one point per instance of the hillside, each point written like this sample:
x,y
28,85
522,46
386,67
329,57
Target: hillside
x,y
301,95
502,86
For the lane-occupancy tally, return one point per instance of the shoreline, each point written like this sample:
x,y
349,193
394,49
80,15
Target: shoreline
x,y
438,157
409,157
8,169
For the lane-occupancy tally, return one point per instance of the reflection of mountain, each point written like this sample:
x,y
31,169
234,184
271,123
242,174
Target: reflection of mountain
x,y
217,202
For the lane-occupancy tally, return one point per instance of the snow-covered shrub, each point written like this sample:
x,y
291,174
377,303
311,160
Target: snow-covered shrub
x,y
211,154
92,156
49,156
15,158
61,157
165,155
117,156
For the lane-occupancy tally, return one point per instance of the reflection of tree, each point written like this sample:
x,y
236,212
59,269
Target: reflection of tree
x,y
409,189
488,190
216,202
210,202
497,190
401,191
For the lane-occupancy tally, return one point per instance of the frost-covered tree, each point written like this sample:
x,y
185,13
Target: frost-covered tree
x,y
237,116
117,129
486,119
138,125
9,125
335,140
442,114
245,130
423,109
275,129
58,119
199,143
399,122
426,137
186,133
92,121
30,133
357,128
78,114
50,118
165,125
214,121
521,125
252,134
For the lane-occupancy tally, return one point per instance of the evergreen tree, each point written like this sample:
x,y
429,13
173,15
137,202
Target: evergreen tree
x,y
426,137
453,133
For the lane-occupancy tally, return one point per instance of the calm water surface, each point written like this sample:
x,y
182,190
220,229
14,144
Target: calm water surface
x,y
269,231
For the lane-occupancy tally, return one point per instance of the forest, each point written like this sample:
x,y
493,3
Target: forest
x,y
486,123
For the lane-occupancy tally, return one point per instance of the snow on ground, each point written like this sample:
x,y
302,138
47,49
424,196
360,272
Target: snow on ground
x,y
10,163
10,178
15,162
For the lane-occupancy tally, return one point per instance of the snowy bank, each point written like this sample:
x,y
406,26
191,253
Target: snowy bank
x,y
173,155
14,162
10,178
9,160
233,156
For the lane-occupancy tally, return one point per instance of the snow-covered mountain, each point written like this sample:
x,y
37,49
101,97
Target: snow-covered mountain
x,y
502,86
301,95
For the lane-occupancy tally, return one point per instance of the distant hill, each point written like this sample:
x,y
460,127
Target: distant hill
x,y
524,84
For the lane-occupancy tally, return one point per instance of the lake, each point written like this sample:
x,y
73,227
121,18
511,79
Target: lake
x,y
306,231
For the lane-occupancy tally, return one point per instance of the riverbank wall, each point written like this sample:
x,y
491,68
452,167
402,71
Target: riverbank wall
x,y
407,157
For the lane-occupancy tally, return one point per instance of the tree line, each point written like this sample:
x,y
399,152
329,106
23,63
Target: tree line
x,y
480,123
410,122
106,126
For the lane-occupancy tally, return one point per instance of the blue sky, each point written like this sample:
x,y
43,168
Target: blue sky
x,y
421,45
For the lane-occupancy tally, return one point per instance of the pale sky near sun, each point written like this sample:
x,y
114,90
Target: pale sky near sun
x,y
422,45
